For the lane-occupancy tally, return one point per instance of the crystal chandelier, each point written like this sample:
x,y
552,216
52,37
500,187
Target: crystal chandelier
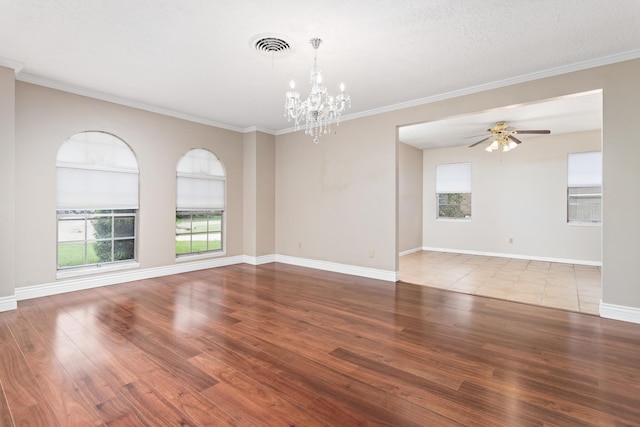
x,y
320,108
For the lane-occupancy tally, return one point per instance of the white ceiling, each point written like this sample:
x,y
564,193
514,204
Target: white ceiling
x,y
575,113
192,58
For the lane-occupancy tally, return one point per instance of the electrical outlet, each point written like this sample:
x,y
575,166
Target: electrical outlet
x,y
299,245
372,253
511,240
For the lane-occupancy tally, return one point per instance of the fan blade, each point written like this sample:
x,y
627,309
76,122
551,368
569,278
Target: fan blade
x,y
480,142
516,140
542,132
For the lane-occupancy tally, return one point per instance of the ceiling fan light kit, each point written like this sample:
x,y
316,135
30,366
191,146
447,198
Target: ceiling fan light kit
x,y
502,137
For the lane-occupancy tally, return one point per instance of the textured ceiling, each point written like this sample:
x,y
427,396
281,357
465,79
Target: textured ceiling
x,y
193,57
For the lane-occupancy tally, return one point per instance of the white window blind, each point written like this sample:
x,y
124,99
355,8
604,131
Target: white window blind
x,y
96,170
453,178
585,169
200,181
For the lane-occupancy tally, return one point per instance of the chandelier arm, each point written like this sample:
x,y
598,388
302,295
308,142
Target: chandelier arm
x,y
319,109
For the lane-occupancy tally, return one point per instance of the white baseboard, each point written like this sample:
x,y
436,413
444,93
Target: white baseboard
x,y
620,312
8,303
77,284
516,256
410,251
371,273
113,278
263,259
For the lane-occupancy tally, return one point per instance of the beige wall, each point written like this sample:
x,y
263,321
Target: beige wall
x,y
409,198
519,195
7,181
335,201
266,194
46,117
259,194
338,198
249,193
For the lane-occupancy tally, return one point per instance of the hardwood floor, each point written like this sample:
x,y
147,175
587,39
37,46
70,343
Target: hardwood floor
x,y
284,345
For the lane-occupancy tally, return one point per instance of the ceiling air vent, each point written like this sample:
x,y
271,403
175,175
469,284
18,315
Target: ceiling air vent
x,y
270,45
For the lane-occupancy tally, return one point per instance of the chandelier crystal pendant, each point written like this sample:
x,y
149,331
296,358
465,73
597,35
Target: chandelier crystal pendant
x,y
320,108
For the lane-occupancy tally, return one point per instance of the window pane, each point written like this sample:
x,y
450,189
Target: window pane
x,y
97,238
99,252
454,205
183,244
183,223
215,222
215,241
199,223
102,228
124,227
584,204
123,249
70,230
70,254
198,231
198,243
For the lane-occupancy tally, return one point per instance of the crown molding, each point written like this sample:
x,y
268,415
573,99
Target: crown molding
x,y
10,63
565,69
578,66
65,87
259,129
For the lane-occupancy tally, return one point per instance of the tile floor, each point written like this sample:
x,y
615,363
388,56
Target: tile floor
x,y
551,284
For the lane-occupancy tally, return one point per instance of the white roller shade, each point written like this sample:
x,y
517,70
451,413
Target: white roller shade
x,y
585,169
96,170
200,181
194,193
96,189
453,178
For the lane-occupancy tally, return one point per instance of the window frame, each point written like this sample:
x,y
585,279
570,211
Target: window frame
x,y
97,175
583,176
87,215
207,232
200,169
460,206
454,179
597,191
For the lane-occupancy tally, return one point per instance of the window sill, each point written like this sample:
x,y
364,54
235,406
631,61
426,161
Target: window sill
x,y
585,224
195,257
76,272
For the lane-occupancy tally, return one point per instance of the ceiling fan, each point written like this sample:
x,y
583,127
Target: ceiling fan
x,y
503,137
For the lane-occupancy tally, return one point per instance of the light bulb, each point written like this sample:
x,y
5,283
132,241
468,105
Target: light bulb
x,y
292,85
341,87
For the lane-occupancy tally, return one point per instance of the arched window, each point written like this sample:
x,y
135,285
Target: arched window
x,y
96,200
200,202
